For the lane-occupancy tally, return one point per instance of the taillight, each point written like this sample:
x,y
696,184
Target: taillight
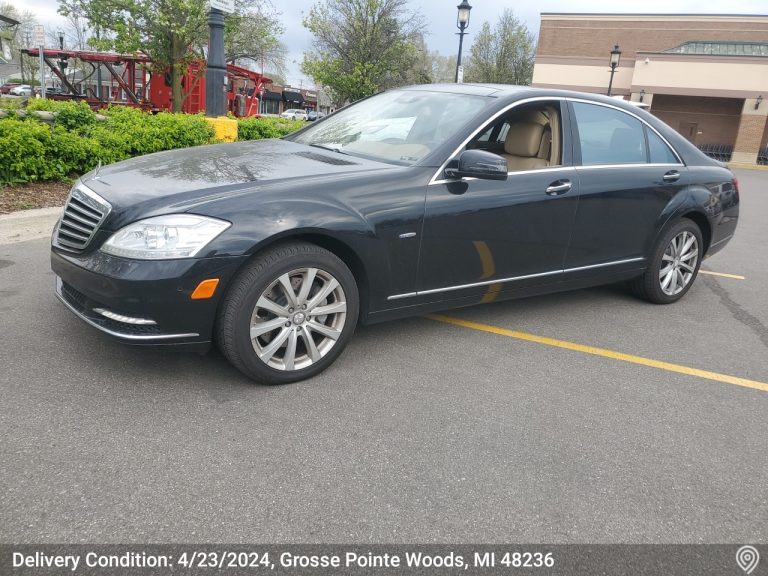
x,y
736,184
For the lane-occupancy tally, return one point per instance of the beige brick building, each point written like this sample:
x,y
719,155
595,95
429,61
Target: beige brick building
x,y
705,75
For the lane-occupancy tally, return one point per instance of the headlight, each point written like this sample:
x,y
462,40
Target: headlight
x,y
165,237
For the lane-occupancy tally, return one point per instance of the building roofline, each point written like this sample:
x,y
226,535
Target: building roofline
x,y
655,14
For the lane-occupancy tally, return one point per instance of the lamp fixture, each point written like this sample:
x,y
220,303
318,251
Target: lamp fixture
x,y
462,21
614,63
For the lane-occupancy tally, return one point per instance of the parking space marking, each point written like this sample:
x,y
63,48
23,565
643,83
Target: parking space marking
x,y
668,366
722,274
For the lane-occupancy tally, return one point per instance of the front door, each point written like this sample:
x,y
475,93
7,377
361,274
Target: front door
x,y
482,235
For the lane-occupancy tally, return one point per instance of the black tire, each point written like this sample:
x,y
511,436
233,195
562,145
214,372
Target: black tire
x,y
651,285
310,339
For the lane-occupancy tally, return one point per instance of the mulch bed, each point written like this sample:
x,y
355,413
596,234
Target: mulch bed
x,y
33,195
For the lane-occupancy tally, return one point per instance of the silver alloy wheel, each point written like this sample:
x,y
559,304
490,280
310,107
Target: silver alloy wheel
x,y
679,263
298,319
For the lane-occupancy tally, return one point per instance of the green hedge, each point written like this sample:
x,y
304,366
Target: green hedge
x,y
32,150
258,128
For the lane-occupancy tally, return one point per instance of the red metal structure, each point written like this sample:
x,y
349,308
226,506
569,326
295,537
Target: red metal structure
x,y
244,88
131,82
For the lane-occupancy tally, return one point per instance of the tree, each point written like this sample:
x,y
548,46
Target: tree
x,y
252,34
502,55
171,32
443,67
166,30
361,46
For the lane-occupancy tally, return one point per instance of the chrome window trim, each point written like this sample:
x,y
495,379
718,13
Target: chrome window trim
x,y
604,166
512,279
516,172
435,180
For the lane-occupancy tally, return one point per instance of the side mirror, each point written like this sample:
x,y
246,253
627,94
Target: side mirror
x,y
478,164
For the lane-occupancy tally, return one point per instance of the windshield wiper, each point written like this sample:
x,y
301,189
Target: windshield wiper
x,y
331,147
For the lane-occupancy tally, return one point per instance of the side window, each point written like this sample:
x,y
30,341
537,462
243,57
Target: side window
x,y
609,136
660,152
528,136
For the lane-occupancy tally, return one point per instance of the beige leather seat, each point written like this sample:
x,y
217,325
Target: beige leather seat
x,y
523,146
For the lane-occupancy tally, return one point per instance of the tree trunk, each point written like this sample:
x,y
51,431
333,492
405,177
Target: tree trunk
x,y
177,73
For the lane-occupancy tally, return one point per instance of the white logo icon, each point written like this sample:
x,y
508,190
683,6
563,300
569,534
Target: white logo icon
x,y
747,557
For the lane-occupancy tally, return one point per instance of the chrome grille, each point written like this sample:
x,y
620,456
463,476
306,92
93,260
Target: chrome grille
x,y
84,212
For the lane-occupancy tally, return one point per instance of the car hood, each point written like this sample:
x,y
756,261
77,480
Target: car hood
x,y
179,179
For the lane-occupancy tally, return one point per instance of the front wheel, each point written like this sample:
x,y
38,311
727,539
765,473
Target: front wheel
x,y
674,264
289,314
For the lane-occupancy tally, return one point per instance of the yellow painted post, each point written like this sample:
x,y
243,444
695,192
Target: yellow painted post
x,y
225,129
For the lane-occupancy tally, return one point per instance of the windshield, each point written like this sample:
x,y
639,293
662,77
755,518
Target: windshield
x,y
400,126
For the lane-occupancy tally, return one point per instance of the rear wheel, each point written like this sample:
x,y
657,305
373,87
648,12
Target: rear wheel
x,y
674,264
289,314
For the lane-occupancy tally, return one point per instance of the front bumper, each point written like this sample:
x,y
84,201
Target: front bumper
x,y
142,302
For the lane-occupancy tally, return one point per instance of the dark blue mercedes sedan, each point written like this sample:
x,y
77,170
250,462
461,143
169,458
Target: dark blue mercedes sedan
x,y
410,201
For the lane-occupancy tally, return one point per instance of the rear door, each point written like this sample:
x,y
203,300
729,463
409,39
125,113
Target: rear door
x,y
627,174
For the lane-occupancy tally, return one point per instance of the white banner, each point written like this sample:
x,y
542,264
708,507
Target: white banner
x,y
223,5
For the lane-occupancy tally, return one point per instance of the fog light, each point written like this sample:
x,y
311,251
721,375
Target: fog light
x,y
124,319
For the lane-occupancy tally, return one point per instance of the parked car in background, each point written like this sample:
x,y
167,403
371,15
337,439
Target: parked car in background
x,y
6,88
21,90
49,91
295,114
408,202
313,115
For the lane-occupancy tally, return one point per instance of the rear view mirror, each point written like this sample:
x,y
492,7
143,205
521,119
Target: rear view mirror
x,y
478,164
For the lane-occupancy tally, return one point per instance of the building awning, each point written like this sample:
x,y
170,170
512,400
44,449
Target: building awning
x,y
293,97
268,95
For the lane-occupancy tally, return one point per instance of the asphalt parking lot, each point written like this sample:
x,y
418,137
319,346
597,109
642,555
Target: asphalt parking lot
x,y
424,430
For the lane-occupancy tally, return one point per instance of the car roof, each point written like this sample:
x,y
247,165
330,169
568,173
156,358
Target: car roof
x,y
472,89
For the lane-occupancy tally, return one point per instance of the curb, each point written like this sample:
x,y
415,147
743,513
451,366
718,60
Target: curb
x,y
746,166
28,224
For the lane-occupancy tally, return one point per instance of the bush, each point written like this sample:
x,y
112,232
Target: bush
x,y
33,150
22,151
144,133
258,128
10,103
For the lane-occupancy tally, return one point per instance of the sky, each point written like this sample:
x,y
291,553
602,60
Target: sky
x,y
440,16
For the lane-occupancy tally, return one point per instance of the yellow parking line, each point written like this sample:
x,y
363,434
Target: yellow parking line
x,y
602,352
723,275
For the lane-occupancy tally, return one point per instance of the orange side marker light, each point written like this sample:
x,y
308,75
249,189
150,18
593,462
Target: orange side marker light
x,y
205,289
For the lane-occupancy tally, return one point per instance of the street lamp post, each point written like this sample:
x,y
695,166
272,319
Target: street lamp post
x,y
62,60
216,71
615,57
462,21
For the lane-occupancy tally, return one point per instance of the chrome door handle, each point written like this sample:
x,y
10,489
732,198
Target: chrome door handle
x,y
559,187
671,176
